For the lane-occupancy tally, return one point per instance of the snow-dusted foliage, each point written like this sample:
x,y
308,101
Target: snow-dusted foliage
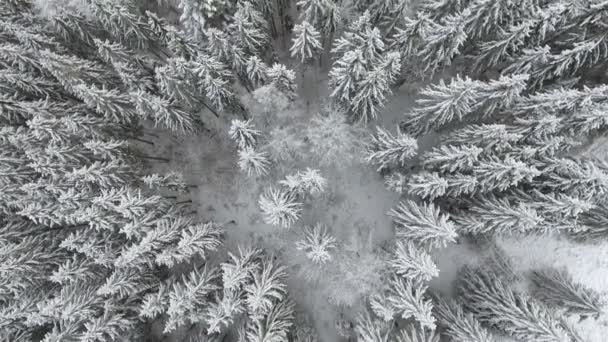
x,y
411,262
459,326
306,42
423,224
387,150
443,103
362,74
308,181
254,163
556,288
333,142
406,299
279,207
283,79
243,133
495,304
316,243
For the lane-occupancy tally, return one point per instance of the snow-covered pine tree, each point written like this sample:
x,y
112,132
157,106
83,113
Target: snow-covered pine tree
x,y
321,14
363,71
273,326
283,79
317,243
423,224
308,182
86,230
458,325
444,103
556,288
386,150
164,112
222,47
450,158
243,133
279,207
493,303
442,42
254,163
489,214
250,28
306,42
411,262
267,288
406,298
256,71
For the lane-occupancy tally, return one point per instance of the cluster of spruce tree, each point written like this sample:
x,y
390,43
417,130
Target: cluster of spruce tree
x,y
92,247
508,160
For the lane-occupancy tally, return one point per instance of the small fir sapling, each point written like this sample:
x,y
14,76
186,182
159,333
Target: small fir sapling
x,y
556,288
410,262
283,79
423,224
254,163
317,243
279,207
387,149
396,182
244,133
308,182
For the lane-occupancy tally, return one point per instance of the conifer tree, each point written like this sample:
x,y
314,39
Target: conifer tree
x,y
407,300
556,288
423,224
283,79
306,42
412,263
267,287
254,163
256,71
243,133
250,28
443,41
279,208
387,150
316,244
459,326
492,215
444,103
493,303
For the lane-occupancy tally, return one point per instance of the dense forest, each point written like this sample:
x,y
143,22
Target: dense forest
x,y
311,170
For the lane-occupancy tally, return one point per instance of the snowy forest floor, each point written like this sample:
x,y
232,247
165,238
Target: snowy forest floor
x,y
354,209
